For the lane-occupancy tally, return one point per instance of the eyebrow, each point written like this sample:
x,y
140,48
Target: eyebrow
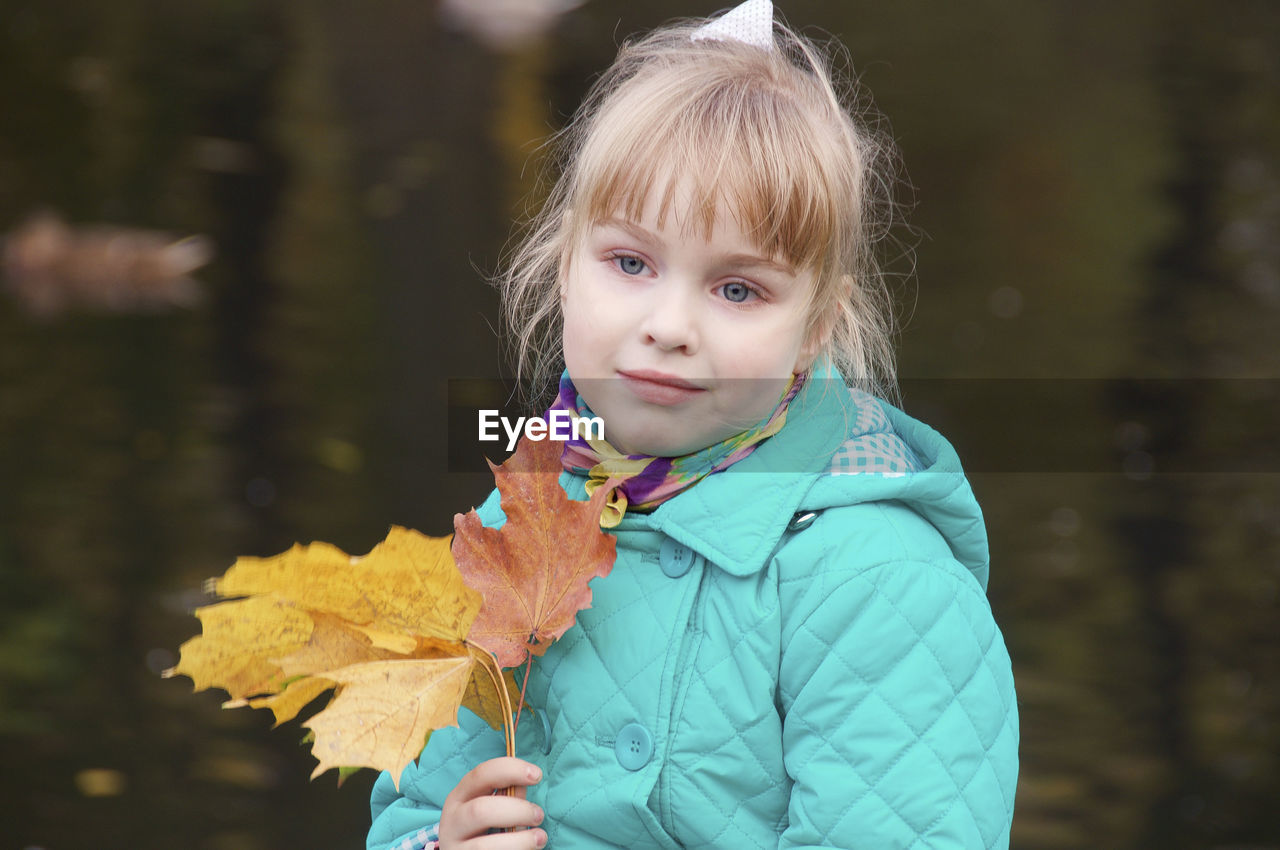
x,y
756,261
738,260
631,228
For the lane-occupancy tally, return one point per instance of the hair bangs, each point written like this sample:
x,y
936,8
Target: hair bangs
x,y
730,150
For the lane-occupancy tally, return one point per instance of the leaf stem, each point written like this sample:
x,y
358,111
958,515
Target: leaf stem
x,y
524,686
491,667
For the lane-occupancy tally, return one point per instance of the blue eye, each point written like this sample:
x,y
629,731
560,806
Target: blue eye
x,y
736,292
630,265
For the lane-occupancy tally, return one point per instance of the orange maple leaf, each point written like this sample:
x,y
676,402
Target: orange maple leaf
x,y
534,571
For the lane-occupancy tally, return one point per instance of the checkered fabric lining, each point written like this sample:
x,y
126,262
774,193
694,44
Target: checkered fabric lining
x,y
873,448
424,839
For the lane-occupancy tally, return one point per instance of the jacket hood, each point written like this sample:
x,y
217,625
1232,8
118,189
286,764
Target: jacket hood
x,y
840,447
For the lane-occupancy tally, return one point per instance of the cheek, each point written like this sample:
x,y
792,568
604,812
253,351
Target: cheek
x,y
766,355
582,341
571,341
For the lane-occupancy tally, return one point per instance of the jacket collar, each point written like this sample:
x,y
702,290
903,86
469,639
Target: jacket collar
x,y
736,517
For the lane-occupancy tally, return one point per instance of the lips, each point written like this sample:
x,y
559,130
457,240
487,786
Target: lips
x,y
659,387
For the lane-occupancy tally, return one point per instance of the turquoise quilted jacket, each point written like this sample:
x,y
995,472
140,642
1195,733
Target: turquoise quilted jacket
x,y
796,652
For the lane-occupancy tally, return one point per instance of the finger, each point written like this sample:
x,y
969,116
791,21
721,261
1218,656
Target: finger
x,y
528,839
496,774
492,812
472,807
463,824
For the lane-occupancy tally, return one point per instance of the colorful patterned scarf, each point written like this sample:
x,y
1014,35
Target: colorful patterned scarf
x,y
642,482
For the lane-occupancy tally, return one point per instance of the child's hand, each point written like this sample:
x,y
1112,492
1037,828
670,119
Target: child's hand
x,y
472,809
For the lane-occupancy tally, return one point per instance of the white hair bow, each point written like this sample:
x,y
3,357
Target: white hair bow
x,y
751,22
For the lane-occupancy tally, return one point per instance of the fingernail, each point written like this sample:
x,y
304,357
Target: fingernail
x,y
540,839
535,775
539,815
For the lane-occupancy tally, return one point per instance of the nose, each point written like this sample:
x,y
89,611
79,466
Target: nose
x,y
671,323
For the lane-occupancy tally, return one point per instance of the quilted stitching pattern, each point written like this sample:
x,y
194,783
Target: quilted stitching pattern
x,y
588,701
726,752
907,649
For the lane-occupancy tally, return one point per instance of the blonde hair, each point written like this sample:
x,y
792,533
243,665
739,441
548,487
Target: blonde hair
x,y
763,134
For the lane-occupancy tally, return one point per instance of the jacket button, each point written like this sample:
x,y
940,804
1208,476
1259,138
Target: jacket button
x,y
675,558
801,521
634,746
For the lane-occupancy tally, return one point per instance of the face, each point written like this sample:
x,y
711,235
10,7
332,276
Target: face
x,y
678,341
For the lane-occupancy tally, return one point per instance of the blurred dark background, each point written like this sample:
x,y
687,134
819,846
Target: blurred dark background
x,y
1093,319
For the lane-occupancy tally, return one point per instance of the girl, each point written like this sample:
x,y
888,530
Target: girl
x,y
794,647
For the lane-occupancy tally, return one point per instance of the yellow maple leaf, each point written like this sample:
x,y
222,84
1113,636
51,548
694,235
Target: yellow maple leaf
x,y
384,709
407,584
334,643
295,697
315,618
240,639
